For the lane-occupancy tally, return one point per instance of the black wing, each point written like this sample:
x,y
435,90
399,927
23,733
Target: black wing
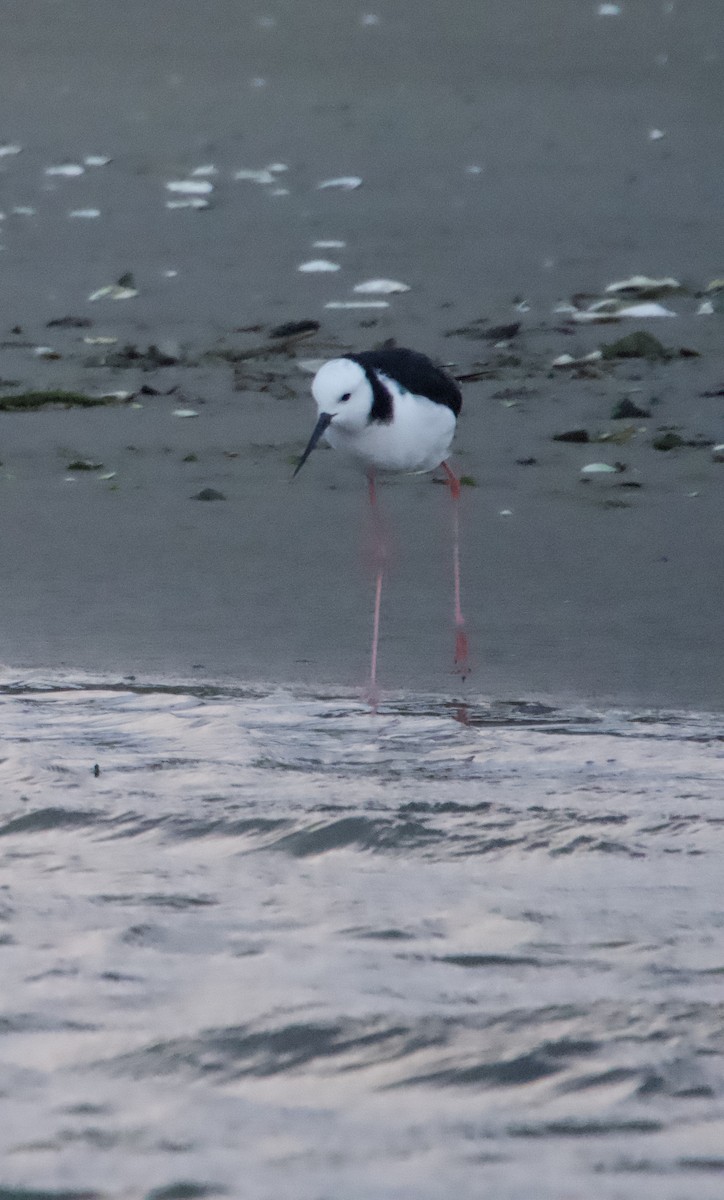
x,y
413,371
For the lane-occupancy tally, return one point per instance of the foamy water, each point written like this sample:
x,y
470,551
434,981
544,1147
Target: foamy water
x,y
278,947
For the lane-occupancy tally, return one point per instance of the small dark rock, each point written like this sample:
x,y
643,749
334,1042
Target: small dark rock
x,y
627,408
69,323
209,494
127,280
688,352
527,462
572,435
147,360
630,483
96,770
83,464
635,345
290,328
501,333
190,458
667,441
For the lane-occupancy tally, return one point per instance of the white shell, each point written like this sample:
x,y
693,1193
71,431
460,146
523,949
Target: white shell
x,y
206,169
188,202
346,183
264,176
329,244
614,310
96,160
357,304
85,213
643,287
705,309
184,412
318,264
598,469
67,169
100,341
9,148
114,291
24,210
655,135
609,10
380,287
567,360
190,187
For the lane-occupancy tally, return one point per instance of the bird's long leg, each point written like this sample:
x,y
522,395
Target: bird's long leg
x,y
379,560
462,661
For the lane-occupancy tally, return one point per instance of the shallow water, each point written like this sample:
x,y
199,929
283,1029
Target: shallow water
x,y
278,947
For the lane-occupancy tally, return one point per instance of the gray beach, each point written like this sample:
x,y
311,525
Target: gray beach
x,y
254,940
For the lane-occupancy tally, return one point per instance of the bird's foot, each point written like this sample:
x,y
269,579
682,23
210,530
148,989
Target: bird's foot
x,y
371,696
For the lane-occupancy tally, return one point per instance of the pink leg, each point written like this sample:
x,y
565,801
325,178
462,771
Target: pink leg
x,y
379,553
462,661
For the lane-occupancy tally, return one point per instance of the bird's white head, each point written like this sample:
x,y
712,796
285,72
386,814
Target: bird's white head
x,y
342,391
343,395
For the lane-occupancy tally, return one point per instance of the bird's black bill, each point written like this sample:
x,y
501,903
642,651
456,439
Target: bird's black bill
x,y
319,428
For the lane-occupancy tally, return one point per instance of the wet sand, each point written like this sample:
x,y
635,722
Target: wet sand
x,y
572,590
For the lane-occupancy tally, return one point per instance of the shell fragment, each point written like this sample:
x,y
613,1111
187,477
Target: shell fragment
x,y
380,287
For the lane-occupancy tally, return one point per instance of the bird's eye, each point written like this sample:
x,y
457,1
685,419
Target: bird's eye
x,y
346,396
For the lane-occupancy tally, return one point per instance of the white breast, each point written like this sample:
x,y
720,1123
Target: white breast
x,y
417,439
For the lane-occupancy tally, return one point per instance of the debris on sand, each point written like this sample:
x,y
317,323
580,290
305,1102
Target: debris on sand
x,y
68,323
380,287
636,345
317,265
642,287
294,328
68,170
567,360
717,452
190,187
188,202
345,183
29,401
572,435
357,304
626,409
599,468
617,310
667,441
209,493
502,333
146,360
265,175
124,289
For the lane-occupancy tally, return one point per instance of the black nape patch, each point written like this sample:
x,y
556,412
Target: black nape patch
x,y
381,410
413,371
